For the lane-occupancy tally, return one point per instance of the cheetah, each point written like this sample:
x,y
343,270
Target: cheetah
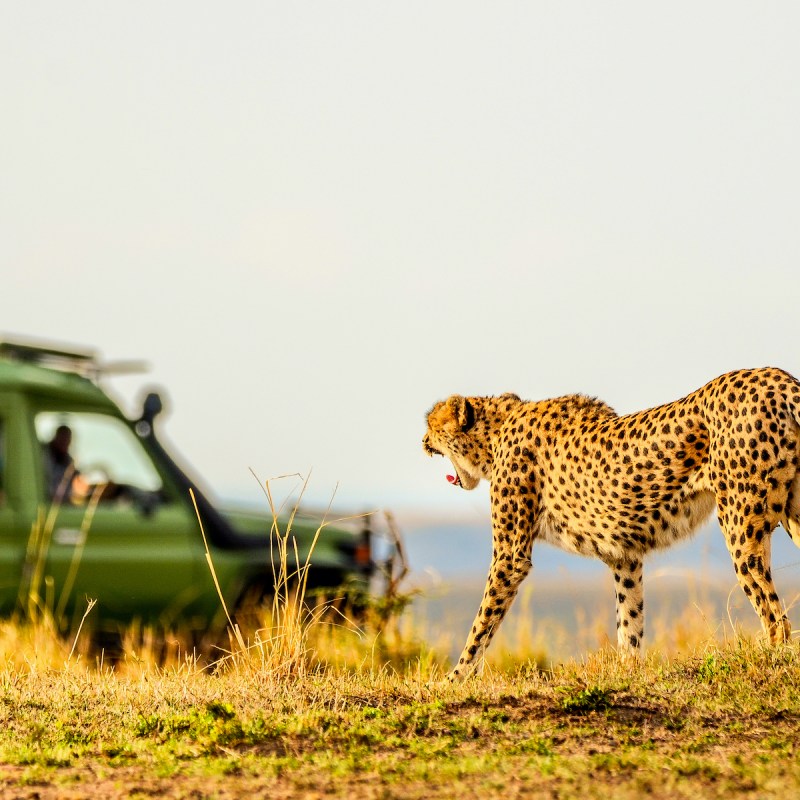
x,y
572,472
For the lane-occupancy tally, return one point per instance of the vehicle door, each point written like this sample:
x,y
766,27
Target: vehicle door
x,y
111,531
14,524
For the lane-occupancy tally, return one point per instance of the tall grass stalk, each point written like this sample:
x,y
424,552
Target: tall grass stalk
x,y
77,554
280,642
90,605
232,626
38,548
39,608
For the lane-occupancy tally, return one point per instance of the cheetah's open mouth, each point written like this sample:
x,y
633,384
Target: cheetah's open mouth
x,y
454,479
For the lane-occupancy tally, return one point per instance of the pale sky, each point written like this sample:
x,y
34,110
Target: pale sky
x,y
315,219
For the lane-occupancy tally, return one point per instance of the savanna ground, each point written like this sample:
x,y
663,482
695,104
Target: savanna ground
x,y
307,705
319,711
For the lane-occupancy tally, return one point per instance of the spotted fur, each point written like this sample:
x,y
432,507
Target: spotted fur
x,y
574,473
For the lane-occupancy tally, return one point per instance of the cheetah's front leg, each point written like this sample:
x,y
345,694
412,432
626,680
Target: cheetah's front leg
x,y
630,605
505,575
513,515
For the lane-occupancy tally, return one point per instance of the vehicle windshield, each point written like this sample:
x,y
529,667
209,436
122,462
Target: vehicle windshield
x,y
86,452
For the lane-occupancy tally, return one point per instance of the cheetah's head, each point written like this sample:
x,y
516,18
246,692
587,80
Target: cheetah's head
x,y
449,434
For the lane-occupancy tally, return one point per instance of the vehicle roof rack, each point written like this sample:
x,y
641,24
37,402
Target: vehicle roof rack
x,y
84,362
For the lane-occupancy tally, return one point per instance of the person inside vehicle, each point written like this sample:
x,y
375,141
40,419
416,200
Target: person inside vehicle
x,y
65,483
59,466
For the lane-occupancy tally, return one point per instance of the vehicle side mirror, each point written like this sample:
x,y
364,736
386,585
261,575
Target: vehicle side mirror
x,y
151,407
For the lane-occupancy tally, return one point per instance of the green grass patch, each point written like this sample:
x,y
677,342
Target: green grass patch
x,y
718,723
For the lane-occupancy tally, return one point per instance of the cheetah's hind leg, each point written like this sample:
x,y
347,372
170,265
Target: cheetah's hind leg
x,y
791,521
750,551
793,529
630,606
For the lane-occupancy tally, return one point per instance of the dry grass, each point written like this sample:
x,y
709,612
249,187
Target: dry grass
x,y
721,720
308,704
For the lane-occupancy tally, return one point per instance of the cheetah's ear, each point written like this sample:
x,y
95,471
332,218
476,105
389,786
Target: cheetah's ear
x,y
463,411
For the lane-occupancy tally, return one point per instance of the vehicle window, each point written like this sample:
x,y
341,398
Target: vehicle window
x,y
85,452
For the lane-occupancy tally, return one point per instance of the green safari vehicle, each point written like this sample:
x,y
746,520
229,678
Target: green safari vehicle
x,y
93,506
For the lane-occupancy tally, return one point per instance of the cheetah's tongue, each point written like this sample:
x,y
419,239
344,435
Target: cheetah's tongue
x,y
454,479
